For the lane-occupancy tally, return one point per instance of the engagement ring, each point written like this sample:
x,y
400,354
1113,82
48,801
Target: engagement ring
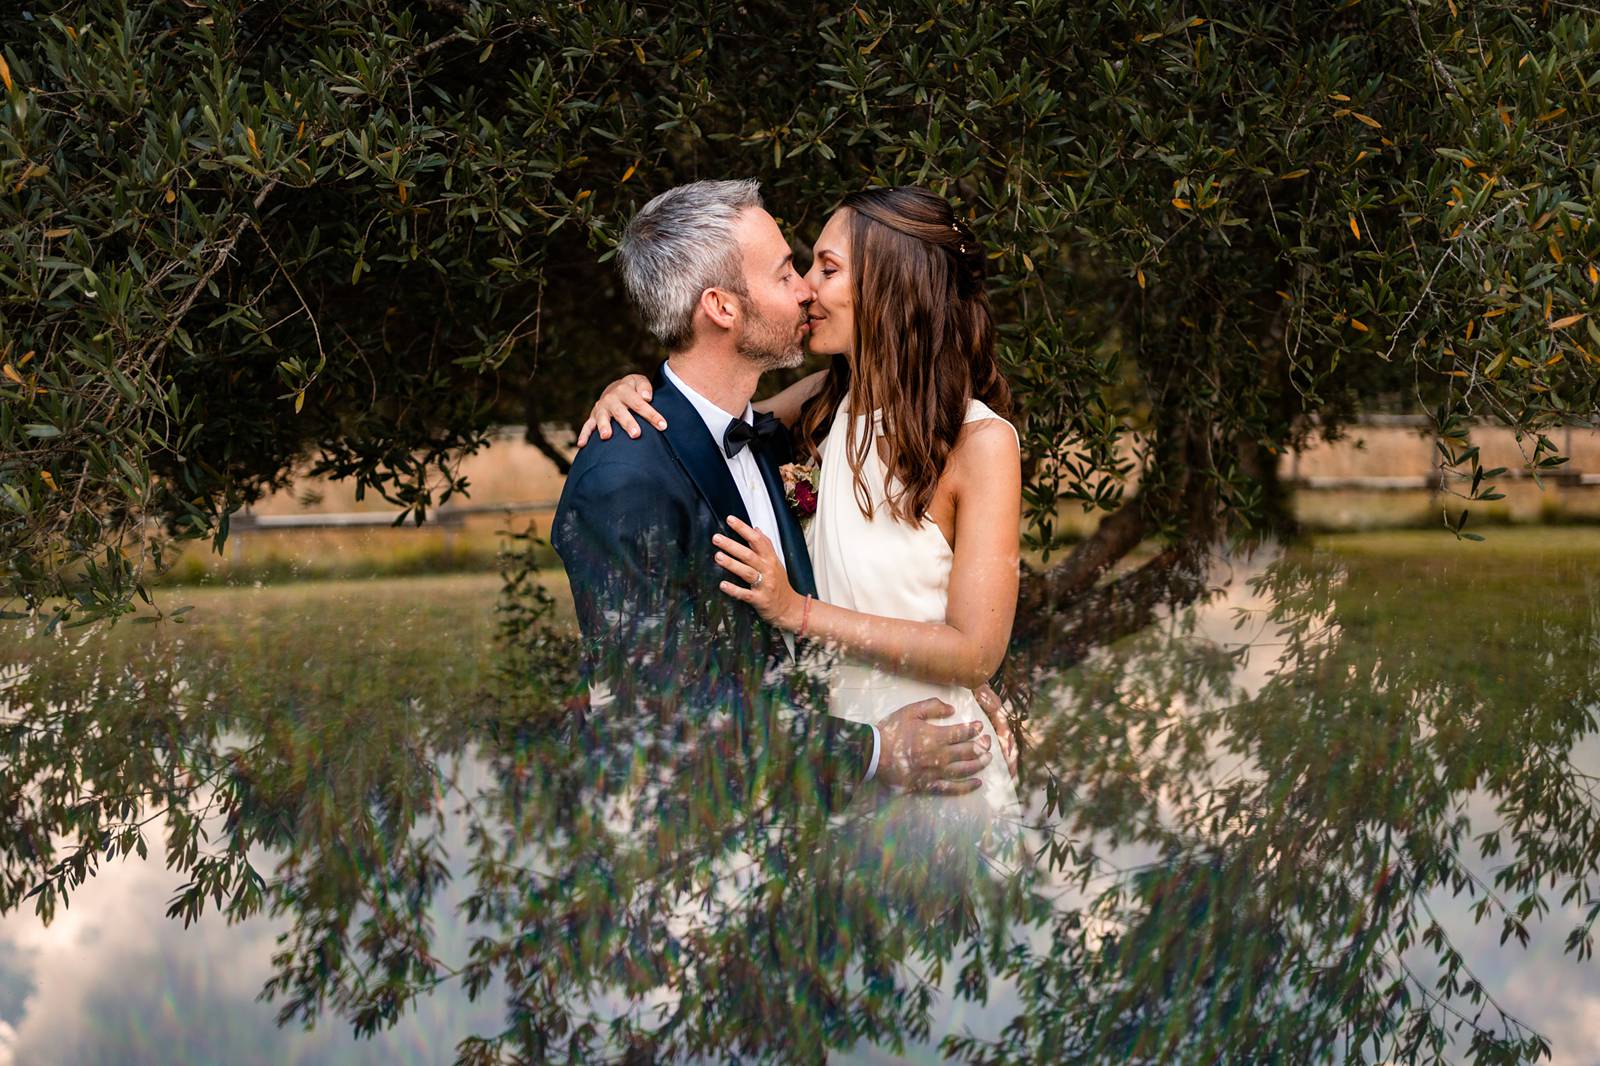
x,y
757,584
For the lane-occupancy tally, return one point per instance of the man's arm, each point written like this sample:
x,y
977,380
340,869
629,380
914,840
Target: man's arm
x,y
616,543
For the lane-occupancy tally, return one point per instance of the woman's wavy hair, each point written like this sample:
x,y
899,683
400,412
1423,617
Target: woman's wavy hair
x,y
923,348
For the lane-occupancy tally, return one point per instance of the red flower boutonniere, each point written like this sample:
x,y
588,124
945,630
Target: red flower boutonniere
x,y
800,488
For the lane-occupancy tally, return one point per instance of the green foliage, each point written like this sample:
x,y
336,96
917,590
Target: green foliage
x,y
1294,842
359,232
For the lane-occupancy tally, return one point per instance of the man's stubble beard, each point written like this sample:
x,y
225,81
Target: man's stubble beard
x,y
765,344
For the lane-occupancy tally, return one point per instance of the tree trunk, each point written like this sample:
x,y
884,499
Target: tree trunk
x,y
1174,578
534,435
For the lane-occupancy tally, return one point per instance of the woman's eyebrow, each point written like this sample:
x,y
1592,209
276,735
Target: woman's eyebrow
x,y
820,252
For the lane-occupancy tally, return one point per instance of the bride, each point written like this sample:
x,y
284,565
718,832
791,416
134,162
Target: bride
x,y
918,482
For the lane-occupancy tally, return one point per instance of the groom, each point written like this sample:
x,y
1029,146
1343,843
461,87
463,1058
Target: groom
x,y
714,280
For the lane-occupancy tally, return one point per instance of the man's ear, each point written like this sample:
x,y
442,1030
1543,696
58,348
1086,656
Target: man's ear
x,y
721,307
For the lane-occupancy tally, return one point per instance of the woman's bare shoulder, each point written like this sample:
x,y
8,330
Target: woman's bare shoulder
x,y
987,439
986,457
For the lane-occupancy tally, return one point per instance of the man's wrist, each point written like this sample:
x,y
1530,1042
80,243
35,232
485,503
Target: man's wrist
x,y
877,748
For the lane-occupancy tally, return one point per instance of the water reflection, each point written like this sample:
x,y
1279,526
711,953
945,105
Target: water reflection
x,y
1291,824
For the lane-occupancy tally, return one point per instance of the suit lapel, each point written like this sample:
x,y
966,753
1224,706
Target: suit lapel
x,y
796,559
691,442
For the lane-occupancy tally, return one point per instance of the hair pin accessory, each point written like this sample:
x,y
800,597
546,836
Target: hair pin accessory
x,y
961,242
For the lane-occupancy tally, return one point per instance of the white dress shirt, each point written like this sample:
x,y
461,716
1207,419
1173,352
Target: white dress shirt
x,y
753,490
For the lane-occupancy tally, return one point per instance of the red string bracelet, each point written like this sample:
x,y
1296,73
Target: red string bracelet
x,y
805,617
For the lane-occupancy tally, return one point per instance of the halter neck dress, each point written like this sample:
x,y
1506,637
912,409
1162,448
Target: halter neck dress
x,y
876,564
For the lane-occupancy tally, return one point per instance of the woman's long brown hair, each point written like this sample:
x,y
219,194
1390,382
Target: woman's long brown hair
x,y
924,344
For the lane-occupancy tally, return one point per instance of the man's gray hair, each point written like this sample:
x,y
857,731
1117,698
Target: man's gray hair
x,y
679,245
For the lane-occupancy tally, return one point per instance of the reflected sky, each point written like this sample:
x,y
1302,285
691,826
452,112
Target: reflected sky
x,y
1311,817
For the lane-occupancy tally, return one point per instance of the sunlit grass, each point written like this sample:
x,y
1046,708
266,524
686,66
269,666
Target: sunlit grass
x,y
1484,610
378,641
298,555
301,555
435,634
1500,545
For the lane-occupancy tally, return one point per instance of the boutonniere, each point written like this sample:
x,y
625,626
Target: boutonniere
x,y
800,488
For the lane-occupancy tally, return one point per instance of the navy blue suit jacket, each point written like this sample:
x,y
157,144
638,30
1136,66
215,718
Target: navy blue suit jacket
x,y
633,530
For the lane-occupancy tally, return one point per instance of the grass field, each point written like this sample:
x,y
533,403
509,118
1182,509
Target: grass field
x,y
1509,545
437,631
295,555
291,556
513,473
370,642
1492,610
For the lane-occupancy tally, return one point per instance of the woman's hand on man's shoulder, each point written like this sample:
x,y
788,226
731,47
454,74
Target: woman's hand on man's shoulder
x,y
620,401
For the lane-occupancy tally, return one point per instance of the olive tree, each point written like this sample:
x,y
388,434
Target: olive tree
x,y
237,239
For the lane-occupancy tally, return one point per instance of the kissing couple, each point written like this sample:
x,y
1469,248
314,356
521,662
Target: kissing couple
x,y
693,578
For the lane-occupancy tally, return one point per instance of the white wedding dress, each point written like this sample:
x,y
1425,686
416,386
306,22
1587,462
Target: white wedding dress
x,y
880,565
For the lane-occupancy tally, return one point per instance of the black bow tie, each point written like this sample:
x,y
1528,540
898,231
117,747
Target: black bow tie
x,y
739,432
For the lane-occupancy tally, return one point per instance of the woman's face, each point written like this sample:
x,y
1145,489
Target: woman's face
x,y
832,314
